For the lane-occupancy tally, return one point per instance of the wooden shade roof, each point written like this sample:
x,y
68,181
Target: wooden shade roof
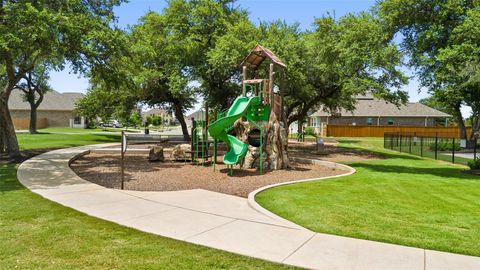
x,y
258,55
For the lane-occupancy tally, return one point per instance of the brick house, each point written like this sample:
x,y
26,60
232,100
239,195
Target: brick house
x,y
370,111
56,110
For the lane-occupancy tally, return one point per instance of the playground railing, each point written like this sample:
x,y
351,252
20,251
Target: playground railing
x,y
438,146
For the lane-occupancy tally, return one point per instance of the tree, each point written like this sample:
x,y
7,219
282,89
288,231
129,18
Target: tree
x,y
441,39
53,32
135,119
433,102
339,60
158,68
214,35
34,85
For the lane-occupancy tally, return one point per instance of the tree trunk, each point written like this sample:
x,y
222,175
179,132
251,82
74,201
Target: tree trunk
x,y
475,127
33,119
461,122
178,109
8,129
300,122
2,137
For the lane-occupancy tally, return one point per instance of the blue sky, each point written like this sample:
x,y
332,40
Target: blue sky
x,y
302,11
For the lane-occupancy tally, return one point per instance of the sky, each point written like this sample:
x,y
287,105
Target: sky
x,y
301,11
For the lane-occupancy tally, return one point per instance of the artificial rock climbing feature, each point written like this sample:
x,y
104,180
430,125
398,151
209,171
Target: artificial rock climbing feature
x,y
275,143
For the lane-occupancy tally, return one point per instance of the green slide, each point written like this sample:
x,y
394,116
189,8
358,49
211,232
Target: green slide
x,y
219,129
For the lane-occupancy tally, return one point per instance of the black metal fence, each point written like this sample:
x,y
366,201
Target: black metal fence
x,y
437,146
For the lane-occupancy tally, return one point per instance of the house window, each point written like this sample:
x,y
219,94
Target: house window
x,y
77,120
390,121
369,121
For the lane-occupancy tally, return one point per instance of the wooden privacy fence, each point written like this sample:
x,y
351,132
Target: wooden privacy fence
x,y
24,123
379,131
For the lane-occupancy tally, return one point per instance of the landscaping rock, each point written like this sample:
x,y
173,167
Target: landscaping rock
x,y
181,152
156,154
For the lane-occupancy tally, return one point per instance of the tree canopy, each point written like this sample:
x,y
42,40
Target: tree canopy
x,y
54,32
441,38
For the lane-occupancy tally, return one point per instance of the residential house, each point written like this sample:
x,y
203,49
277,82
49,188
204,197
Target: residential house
x,y
166,117
370,111
56,110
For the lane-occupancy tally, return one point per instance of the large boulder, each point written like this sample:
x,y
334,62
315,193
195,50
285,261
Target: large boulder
x,y
181,152
156,154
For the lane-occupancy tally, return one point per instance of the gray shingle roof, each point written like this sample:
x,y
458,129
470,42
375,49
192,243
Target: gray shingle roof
x,y
369,107
53,101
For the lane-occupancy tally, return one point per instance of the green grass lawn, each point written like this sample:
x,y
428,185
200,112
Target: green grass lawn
x,y
402,199
84,130
45,140
36,233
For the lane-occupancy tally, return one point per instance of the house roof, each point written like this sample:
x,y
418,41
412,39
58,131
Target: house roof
x,y
371,107
154,111
53,101
258,55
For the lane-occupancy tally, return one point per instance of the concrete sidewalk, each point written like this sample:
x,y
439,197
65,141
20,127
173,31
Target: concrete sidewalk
x,y
221,221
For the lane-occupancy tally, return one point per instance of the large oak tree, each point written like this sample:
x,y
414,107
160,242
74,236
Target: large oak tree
x,y
441,37
55,32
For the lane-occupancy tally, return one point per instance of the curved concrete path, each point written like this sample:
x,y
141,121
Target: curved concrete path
x,y
221,221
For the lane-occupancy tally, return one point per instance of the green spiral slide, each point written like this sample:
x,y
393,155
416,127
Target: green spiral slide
x,y
220,128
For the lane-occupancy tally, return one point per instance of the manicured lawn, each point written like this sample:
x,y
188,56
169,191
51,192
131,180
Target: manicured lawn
x,y
84,130
45,140
38,234
401,199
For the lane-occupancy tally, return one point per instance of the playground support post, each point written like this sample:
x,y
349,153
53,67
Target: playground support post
x,y
193,139
261,144
270,88
244,75
282,94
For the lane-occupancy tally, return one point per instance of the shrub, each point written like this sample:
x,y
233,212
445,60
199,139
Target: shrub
x,y
154,120
474,164
445,145
309,131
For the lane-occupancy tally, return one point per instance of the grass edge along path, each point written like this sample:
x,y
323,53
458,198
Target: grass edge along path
x,y
37,233
401,199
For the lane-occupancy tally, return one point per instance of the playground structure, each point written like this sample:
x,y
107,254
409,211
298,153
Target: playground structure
x,y
253,127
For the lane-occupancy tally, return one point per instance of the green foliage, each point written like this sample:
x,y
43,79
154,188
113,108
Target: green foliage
x,y
309,131
50,33
474,164
154,120
336,62
445,145
135,119
441,39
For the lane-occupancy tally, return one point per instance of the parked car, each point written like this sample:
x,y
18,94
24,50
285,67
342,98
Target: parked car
x,y
113,123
